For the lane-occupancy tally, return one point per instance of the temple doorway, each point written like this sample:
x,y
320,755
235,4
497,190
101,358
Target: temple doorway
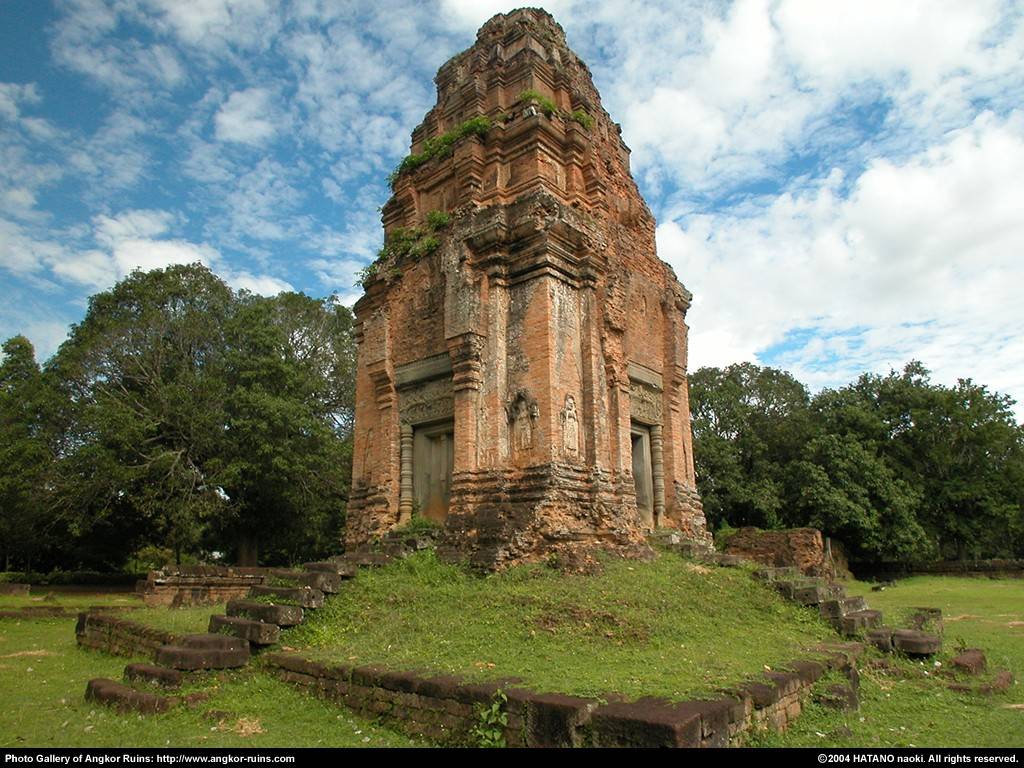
x,y
643,474
433,454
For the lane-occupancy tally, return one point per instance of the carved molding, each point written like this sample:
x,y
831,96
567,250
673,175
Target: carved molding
x,y
645,403
429,401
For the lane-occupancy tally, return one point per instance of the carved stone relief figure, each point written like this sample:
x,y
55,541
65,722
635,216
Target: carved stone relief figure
x,y
522,428
570,427
522,412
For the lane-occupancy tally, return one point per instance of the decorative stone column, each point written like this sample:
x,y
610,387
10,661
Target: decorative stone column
x,y
658,473
405,503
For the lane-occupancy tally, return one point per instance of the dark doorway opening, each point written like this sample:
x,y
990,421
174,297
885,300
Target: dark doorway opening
x,y
433,453
643,473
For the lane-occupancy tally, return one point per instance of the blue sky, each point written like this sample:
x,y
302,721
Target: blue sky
x,y
841,185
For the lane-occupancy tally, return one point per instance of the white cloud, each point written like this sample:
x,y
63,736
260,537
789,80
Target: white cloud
x,y
12,95
92,267
23,253
264,285
925,40
246,24
133,224
921,259
146,254
247,117
86,42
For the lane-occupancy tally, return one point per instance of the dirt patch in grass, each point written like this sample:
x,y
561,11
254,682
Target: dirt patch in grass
x,y
19,654
577,620
243,726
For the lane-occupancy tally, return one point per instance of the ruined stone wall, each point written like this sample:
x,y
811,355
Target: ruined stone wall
x,y
803,548
445,709
120,637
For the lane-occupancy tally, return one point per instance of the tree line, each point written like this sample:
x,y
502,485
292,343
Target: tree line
x,y
182,419
898,468
179,419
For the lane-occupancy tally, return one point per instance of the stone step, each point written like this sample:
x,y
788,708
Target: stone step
x,y
837,608
301,596
150,673
913,642
282,615
126,699
855,622
788,587
344,569
881,638
366,559
255,632
787,573
326,582
722,560
195,658
407,541
214,641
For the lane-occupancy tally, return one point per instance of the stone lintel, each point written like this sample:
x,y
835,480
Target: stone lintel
x,y
644,375
435,367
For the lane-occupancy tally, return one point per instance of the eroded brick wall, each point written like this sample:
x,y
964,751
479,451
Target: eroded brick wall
x,y
802,548
557,323
446,709
120,637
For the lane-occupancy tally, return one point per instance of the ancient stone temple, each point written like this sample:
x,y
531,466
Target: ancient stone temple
x,y
522,350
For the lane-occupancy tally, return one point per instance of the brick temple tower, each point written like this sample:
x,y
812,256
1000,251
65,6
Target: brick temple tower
x,y
522,350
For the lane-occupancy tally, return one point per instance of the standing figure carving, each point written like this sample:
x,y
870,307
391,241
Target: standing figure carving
x,y
570,427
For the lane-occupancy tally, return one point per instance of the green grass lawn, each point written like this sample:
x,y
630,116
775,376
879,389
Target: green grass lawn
x,y
42,684
71,600
667,627
182,621
910,703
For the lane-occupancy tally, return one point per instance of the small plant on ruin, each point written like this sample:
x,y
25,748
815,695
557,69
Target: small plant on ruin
x,y
581,117
418,524
402,243
550,109
441,146
438,220
547,106
489,729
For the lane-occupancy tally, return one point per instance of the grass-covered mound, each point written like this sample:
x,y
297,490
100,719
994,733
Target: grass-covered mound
x,y
667,627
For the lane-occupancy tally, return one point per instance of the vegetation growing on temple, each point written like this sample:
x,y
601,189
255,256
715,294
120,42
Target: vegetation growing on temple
x,y
442,146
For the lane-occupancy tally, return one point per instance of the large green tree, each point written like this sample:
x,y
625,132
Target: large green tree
x,y
25,455
897,467
748,423
143,378
958,447
286,462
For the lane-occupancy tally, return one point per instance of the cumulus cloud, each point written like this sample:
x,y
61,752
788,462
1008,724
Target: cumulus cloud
x,y
247,117
264,285
851,172
919,259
